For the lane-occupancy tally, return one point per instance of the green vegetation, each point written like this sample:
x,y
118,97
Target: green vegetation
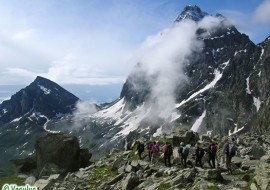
x,y
98,176
267,133
11,180
163,186
213,188
240,176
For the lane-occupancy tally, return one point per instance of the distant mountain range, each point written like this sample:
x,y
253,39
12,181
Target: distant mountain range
x,y
224,88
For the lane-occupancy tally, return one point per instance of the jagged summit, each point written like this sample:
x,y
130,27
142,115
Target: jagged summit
x,y
192,12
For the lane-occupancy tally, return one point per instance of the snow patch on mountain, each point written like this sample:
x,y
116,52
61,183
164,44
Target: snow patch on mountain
x,y
240,52
114,111
262,52
259,74
175,115
248,88
45,90
195,127
16,120
212,84
257,103
236,130
45,125
133,120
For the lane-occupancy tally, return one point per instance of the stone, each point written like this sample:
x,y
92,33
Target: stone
x,y
119,162
60,149
22,176
262,176
257,152
121,170
130,182
116,179
237,161
30,180
246,178
46,184
265,158
134,163
241,184
206,138
129,169
146,184
253,186
212,174
50,169
159,173
85,157
143,163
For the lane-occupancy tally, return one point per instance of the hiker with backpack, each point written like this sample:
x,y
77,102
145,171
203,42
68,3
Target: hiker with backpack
x,y
149,148
212,153
154,152
168,151
183,152
140,149
199,153
229,150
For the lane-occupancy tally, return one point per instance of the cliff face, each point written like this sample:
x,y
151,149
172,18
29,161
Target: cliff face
x,y
227,81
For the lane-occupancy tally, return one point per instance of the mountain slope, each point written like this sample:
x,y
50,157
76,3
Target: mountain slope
x,y
41,97
225,89
26,116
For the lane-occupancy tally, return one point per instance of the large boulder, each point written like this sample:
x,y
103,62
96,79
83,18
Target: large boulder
x,y
130,182
60,149
262,176
257,152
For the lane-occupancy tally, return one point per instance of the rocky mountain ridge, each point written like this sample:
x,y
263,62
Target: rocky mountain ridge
x,y
41,97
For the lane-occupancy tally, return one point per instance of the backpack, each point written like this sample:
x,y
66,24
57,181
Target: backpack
x,y
169,150
180,150
154,148
201,152
141,147
231,149
213,149
185,151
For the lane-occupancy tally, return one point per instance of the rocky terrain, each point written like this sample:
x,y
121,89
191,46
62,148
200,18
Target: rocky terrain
x,y
121,169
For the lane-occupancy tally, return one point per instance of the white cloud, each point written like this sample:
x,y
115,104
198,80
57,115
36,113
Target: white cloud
x,y
164,56
24,35
262,13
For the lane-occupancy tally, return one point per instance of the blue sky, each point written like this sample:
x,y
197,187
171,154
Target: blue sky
x,y
92,42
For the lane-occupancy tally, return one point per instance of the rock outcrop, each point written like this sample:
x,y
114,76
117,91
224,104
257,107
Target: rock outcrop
x,y
62,150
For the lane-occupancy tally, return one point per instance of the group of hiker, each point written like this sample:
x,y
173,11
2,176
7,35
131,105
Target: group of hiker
x,y
228,150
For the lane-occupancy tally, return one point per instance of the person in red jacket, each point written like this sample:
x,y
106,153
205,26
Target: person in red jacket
x,y
168,151
149,148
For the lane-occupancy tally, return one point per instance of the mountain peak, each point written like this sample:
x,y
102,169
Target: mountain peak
x,y
40,78
191,12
